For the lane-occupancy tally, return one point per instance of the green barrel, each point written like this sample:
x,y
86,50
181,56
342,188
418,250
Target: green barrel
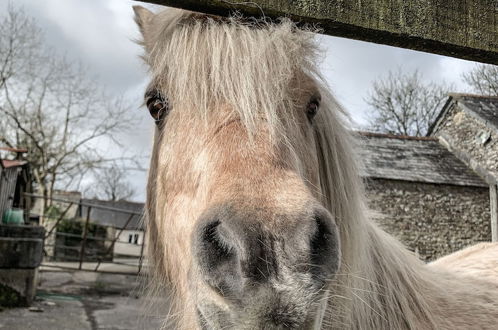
x,y
13,217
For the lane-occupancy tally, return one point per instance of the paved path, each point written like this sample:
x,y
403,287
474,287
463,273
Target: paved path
x,y
69,314
84,300
119,265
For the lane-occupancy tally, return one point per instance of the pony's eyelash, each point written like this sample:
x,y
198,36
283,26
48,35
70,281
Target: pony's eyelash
x,y
157,104
313,106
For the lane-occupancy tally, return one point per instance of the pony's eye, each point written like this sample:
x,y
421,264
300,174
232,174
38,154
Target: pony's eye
x,y
312,107
157,104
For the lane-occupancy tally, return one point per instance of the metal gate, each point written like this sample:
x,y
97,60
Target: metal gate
x,y
90,235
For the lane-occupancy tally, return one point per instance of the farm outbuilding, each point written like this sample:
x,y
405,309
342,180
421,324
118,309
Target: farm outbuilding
x,y
423,194
437,194
468,127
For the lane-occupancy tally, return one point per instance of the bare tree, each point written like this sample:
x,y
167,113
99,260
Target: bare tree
x,y
51,107
111,184
403,104
483,79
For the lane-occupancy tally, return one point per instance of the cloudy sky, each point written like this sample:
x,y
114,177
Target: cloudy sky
x,y
100,34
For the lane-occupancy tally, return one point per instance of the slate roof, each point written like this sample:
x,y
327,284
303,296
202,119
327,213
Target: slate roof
x,y
110,214
483,108
416,159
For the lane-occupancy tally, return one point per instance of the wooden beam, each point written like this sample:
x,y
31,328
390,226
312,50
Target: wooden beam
x,y
466,29
493,197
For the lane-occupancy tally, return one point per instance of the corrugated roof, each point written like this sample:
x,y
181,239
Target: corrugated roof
x,y
413,159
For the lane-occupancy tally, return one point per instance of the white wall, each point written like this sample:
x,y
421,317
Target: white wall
x,y
123,245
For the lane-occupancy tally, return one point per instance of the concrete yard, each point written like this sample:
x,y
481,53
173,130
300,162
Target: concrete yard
x,y
85,300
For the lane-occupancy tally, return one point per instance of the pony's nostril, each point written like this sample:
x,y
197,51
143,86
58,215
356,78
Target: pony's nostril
x,y
319,240
214,248
324,246
216,255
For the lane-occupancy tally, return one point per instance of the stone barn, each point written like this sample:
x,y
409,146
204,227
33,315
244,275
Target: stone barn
x,y
423,194
468,127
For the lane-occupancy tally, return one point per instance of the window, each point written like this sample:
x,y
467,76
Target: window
x,y
136,239
130,238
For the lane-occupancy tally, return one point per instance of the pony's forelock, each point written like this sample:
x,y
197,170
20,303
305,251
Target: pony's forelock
x,y
204,64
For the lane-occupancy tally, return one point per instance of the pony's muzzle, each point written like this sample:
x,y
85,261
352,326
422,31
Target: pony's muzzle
x,y
235,250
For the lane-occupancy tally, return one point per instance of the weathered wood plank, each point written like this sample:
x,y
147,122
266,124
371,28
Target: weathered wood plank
x,y
460,28
493,197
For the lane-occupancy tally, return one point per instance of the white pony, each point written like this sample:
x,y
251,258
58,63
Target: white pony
x,y
256,212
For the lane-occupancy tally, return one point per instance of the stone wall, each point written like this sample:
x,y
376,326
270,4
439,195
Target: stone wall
x,y
431,219
471,139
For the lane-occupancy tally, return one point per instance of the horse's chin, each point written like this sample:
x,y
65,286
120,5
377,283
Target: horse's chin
x,y
211,317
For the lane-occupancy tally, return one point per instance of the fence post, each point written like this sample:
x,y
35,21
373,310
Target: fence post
x,y
85,232
140,262
493,207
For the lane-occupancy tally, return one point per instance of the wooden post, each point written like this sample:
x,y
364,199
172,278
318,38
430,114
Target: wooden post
x,y
493,201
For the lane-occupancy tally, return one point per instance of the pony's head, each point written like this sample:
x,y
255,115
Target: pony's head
x,y
252,186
